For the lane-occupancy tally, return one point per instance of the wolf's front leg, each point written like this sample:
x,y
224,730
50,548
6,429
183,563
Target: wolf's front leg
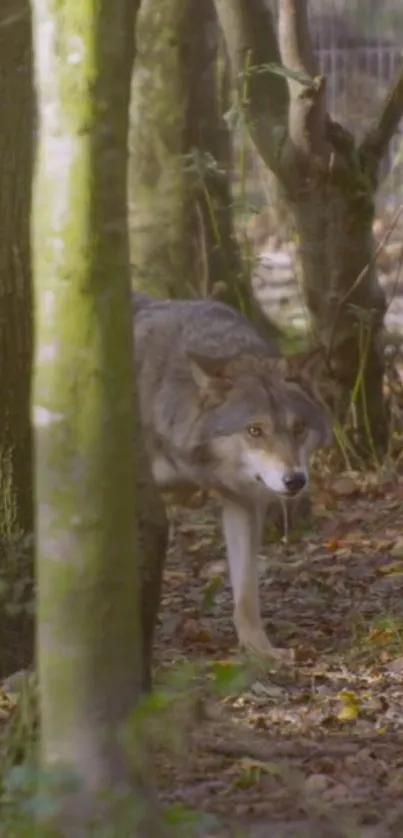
x,y
243,531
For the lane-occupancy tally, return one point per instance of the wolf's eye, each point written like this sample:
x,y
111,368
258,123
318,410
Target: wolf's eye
x,y
299,427
254,430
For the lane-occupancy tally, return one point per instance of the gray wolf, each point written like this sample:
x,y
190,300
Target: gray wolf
x,y
223,411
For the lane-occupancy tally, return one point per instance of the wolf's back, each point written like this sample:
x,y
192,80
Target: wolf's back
x,y
165,333
205,327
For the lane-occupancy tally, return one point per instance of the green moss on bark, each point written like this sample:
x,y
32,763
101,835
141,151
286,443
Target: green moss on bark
x,y
89,645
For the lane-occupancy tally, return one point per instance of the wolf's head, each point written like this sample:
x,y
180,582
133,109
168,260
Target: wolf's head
x,y
261,419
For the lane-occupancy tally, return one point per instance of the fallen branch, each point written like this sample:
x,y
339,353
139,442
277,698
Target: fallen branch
x,y
267,751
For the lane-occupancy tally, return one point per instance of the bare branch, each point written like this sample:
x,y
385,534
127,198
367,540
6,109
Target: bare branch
x,y
385,125
251,40
307,114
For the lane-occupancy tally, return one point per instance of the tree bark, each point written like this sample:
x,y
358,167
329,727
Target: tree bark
x,y
207,140
159,255
160,252
219,268
16,164
330,185
153,531
86,430
181,210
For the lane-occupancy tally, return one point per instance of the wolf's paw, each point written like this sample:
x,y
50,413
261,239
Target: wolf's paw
x,y
255,640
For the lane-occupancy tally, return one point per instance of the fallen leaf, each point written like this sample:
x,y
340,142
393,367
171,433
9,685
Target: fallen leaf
x,y
248,772
381,636
391,569
174,575
198,545
267,690
382,545
397,549
344,486
331,544
194,632
316,783
349,707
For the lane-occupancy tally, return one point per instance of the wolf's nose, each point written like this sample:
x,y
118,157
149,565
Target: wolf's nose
x,y
294,481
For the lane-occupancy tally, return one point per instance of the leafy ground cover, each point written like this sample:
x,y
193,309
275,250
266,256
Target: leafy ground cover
x,y
242,748
317,749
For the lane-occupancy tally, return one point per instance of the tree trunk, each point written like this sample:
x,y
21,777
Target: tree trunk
x,y
160,251
159,254
152,525
336,248
16,164
330,184
219,269
217,257
89,645
181,210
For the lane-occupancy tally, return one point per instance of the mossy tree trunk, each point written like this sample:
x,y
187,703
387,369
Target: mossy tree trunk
x,y
16,501
158,199
330,185
183,242
85,425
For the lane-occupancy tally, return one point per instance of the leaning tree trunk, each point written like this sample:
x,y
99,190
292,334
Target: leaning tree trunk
x,y
89,644
16,163
330,184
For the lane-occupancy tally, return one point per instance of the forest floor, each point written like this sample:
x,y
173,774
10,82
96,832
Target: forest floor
x,y
241,748
312,750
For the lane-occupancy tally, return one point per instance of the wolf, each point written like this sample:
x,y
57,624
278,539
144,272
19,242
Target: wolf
x,y
224,411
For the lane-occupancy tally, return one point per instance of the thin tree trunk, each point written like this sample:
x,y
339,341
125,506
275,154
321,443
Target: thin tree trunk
x,y
156,217
218,260
218,267
88,558
16,163
160,251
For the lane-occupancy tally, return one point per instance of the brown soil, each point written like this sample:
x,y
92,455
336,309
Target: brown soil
x,y
315,749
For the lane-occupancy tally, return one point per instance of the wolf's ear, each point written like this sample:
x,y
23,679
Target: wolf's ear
x,y
207,372
311,370
314,373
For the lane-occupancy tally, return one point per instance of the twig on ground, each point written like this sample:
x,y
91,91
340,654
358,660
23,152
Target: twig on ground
x,y
267,751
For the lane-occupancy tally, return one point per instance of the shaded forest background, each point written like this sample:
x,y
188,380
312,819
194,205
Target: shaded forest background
x,y
159,163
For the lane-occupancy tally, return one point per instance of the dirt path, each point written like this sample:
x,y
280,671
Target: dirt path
x,y
315,750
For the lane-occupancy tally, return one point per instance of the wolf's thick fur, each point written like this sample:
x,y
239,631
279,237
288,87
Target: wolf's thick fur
x,y
223,411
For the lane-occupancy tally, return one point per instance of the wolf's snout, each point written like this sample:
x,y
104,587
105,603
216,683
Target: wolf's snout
x,y
294,482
